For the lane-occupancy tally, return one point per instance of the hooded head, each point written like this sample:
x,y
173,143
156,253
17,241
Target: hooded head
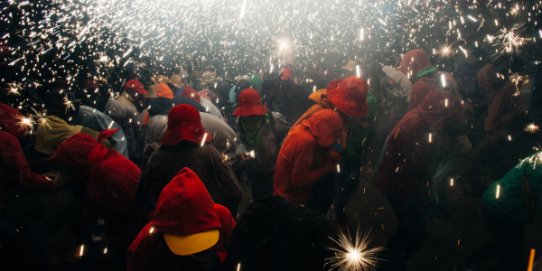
x,y
185,215
413,62
249,104
111,179
10,121
183,124
326,126
135,86
190,93
349,95
51,132
162,90
439,107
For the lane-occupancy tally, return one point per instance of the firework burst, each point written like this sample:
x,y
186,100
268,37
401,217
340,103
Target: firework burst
x,y
353,254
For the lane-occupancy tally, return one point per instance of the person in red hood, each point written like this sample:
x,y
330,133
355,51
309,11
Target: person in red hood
x,y
306,156
15,172
188,231
412,152
416,65
126,111
104,183
183,144
110,179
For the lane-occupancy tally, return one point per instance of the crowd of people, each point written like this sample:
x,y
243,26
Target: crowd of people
x,y
260,173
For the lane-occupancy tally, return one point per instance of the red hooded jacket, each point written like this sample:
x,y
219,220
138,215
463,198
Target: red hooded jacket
x,y
111,180
15,173
412,145
305,155
183,208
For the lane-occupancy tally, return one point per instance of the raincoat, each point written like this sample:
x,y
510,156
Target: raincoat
x,y
110,179
15,173
126,114
184,208
306,155
53,130
98,121
517,195
414,146
206,161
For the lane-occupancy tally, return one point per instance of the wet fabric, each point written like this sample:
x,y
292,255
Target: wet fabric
x,y
51,132
184,123
275,234
183,208
517,196
306,156
15,173
126,114
413,147
413,62
206,161
98,121
111,179
258,135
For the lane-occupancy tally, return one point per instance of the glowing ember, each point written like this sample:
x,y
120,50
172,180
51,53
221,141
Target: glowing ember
x,y
531,128
353,255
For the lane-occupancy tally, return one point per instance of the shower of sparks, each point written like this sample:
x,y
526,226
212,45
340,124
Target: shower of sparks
x,y
534,160
46,40
531,128
353,254
509,40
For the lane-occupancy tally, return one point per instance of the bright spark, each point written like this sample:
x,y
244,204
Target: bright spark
x,y
531,128
353,255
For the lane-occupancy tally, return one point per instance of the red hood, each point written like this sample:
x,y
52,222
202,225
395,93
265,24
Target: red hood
x,y
414,61
326,126
439,106
10,119
112,178
185,206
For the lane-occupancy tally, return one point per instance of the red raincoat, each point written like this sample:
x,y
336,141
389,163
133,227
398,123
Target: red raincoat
x,y
111,179
412,146
184,208
305,155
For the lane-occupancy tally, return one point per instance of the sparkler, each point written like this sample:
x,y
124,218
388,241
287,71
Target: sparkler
x,y
353,255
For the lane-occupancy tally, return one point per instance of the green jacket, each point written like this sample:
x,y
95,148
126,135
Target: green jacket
x,y
517,195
